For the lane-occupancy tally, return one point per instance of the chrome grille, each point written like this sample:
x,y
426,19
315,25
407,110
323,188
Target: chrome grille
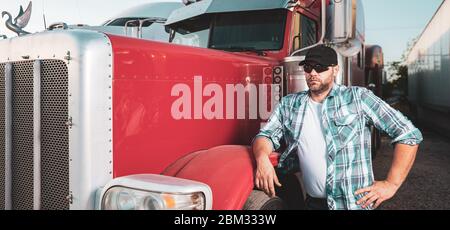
x,y
2,136
54,135
22,135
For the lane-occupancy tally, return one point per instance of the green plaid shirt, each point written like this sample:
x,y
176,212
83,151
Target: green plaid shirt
x,y
347,114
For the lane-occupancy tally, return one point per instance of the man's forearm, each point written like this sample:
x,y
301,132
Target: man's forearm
x,y
261,147
265,176
402,162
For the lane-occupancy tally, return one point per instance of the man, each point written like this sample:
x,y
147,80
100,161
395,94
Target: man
x,y
326,130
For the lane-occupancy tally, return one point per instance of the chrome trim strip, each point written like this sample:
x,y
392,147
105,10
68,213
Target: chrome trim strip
x,y
8,135
37,135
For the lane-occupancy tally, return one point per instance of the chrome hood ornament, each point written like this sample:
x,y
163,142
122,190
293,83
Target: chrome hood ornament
x,y
20,21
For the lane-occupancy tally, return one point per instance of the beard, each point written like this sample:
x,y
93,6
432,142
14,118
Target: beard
x,y
317,86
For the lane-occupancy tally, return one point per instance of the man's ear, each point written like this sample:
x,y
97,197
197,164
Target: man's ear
x,y
335,70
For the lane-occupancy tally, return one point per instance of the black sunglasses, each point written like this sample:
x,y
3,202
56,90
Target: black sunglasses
x,y
318,67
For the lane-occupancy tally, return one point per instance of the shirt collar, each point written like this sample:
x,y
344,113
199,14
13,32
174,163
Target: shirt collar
x,y
333,91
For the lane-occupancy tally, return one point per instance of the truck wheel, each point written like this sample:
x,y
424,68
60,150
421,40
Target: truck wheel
x,y
259,200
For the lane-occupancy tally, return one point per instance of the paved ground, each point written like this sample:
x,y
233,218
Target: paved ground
x,y
428,184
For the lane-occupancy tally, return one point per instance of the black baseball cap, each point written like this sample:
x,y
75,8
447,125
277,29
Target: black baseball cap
x,y
321,54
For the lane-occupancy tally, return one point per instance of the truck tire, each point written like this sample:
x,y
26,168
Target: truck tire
x,y
259,200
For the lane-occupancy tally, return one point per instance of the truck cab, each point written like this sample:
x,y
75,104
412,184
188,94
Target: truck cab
x,y
264,28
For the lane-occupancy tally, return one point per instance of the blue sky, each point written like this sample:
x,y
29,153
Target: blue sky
x,y
393,23
389,23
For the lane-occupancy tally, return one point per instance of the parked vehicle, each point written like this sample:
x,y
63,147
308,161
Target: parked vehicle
x,y
144,21
93,119
428,73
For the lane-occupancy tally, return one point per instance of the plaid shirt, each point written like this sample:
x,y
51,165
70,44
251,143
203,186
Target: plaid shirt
x,y
347,114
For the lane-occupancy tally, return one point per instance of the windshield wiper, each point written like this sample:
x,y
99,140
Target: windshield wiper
x,y
240,49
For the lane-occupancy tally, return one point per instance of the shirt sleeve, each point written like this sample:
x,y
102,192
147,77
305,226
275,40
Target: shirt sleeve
x,y
273,129
388,119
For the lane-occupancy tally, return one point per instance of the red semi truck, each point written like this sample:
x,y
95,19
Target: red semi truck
x,y
91,119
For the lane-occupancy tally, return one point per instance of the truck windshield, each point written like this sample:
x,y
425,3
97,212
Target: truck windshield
x,y
194,32
236,31
247,31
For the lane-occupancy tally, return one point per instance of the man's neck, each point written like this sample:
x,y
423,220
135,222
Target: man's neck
x,y
320,96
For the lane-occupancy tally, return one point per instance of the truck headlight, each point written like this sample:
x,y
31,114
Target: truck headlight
x,y
154,192
121,198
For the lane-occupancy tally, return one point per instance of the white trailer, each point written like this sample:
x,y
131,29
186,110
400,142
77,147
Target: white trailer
x,y
429,72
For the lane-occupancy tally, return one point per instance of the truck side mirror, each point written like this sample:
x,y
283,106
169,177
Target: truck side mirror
x,y
345,26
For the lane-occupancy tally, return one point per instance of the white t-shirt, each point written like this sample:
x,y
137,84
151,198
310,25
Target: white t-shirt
x,y
312,151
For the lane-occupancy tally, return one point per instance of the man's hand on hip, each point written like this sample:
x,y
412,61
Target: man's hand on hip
x,y
379,192
266,176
